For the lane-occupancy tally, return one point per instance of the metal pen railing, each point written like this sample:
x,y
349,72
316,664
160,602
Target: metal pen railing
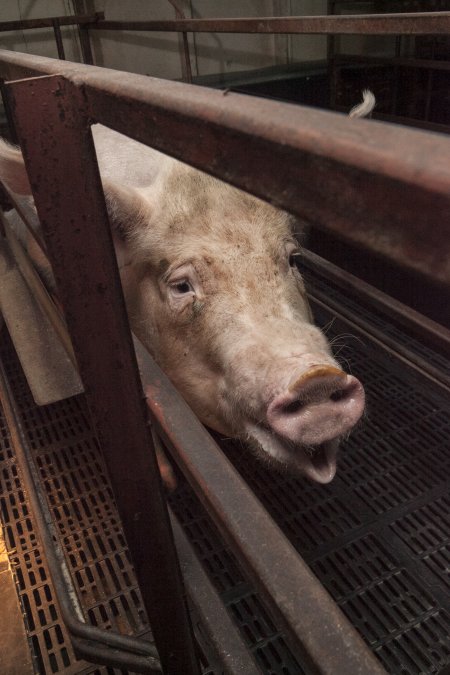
x,y
395,181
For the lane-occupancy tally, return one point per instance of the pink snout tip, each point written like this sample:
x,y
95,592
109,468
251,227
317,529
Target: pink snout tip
x,y
319,405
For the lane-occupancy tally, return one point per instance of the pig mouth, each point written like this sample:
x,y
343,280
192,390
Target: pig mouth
x,y
318,463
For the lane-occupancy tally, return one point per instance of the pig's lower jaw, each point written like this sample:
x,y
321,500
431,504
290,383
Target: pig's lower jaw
x,y
318,463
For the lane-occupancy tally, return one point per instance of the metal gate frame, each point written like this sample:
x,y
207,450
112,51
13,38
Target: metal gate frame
x,y
268,149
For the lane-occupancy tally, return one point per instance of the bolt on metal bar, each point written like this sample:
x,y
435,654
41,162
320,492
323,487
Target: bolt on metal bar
x,y
423,23
73,217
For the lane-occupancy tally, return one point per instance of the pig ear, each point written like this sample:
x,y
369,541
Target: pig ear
x,y
127,209
12,169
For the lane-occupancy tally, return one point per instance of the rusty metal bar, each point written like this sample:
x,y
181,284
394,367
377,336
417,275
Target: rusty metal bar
x,y
376,185
49,22
75,224
423,23
311,621
58,39
220,630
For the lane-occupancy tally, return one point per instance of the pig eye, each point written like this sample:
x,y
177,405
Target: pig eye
x,y
294,259
181,287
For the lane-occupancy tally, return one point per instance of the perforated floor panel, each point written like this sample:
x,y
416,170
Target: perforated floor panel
x,y
376,537
72,473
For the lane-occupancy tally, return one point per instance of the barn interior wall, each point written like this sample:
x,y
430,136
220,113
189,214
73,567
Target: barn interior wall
x,y
157,54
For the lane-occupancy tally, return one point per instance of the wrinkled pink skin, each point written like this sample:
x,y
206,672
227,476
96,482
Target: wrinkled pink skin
x,y
213,290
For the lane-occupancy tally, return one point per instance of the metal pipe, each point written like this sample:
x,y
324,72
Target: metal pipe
x,y
49,22
423,23
58,39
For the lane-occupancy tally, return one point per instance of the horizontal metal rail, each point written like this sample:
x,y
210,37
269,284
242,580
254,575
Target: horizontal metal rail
x,y
427,330
375,185
51,21
423,23
402,61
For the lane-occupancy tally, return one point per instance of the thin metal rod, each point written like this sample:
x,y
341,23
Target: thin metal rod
x,y
423,23
75,225
216,623
49,22
186,61
85,44
58,39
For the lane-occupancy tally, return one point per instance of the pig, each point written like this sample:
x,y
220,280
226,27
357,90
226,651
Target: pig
x,y
213,286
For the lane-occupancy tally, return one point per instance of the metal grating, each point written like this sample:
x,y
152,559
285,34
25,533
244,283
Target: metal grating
x,y
72,473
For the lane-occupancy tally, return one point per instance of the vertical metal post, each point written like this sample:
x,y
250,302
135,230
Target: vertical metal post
x,y
60,158
398,53
85,44
186,62
58,38
8,115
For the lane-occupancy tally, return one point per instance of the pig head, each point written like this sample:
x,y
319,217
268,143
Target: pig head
x,y
213,285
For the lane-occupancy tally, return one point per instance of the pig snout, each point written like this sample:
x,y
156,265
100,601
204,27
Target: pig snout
x,y
321,404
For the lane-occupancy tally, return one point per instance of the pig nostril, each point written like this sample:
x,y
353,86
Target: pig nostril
x,y
338,395
293,407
